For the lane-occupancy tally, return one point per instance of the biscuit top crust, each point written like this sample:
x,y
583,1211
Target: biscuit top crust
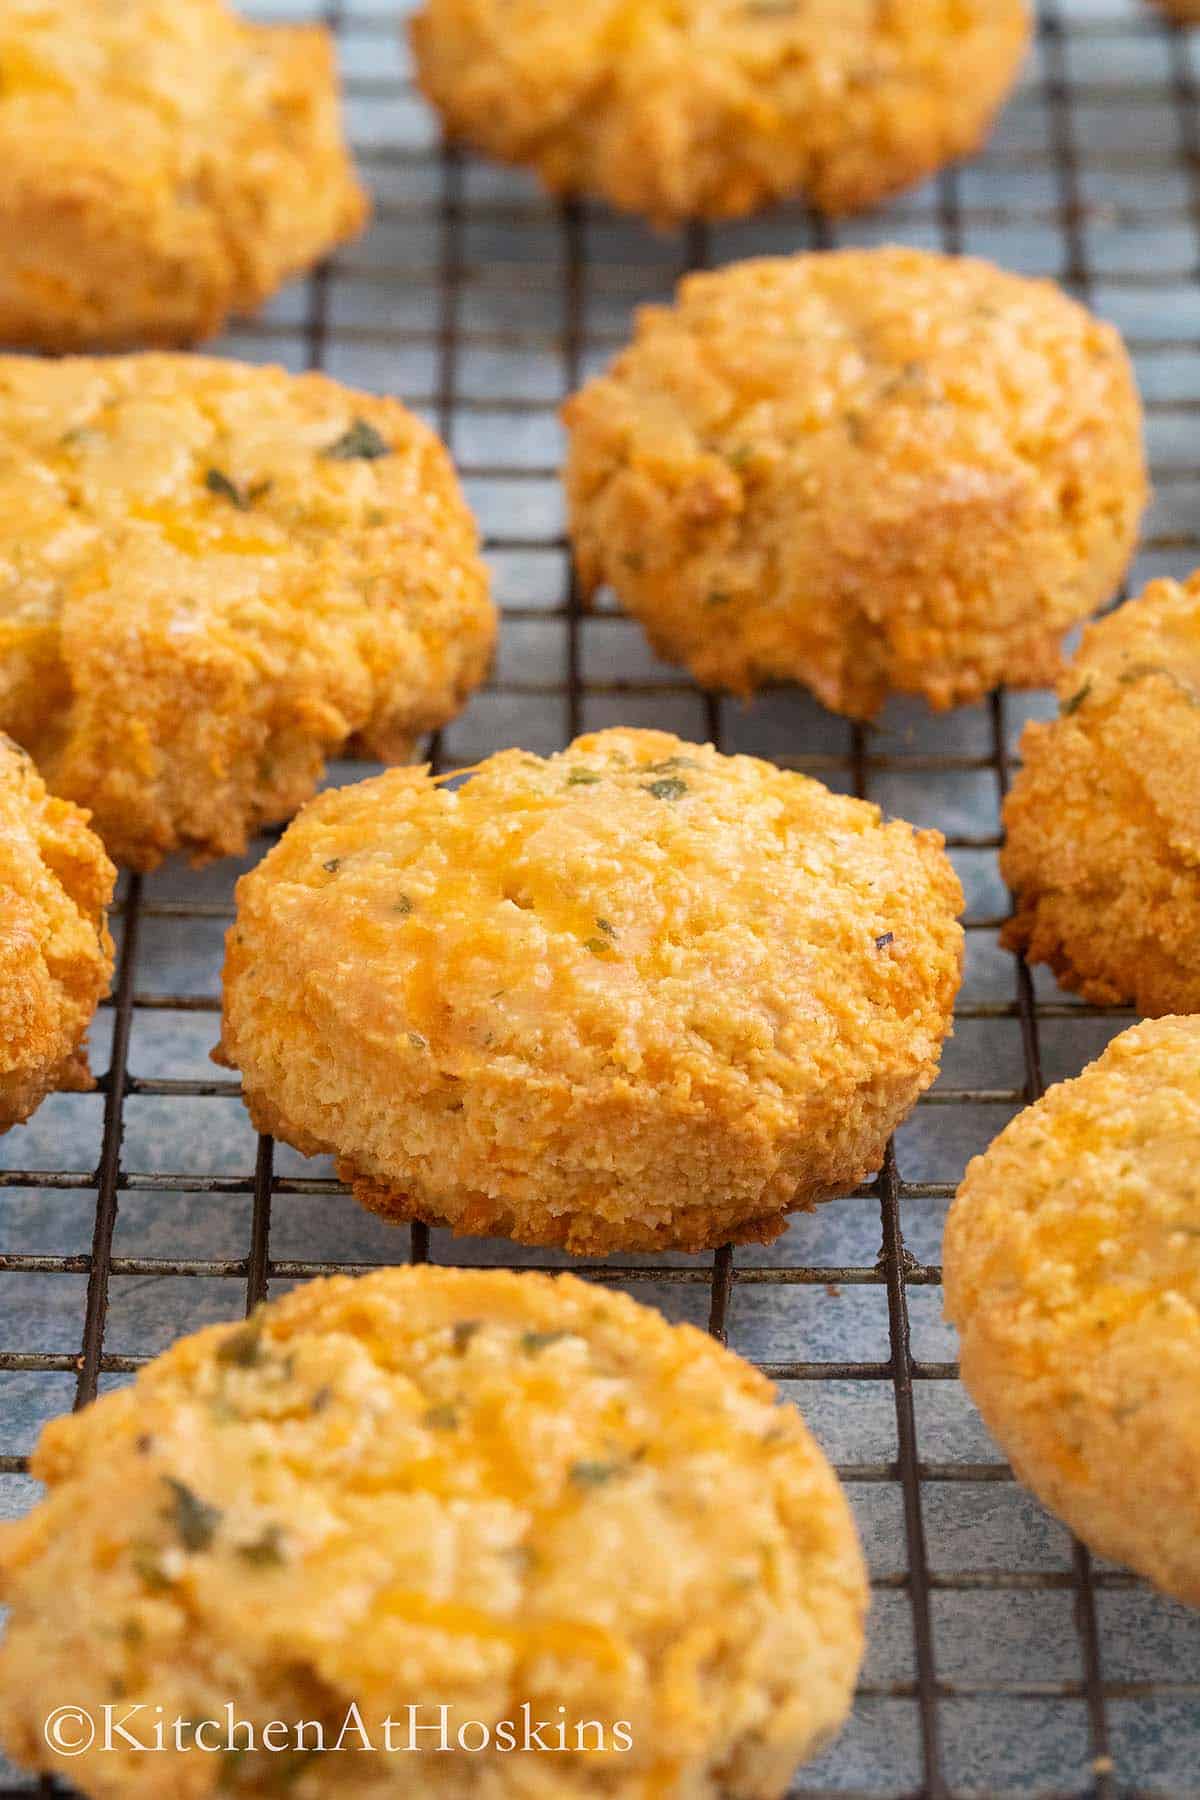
x,y
468,1486
165,87
56,956
207,568
864,469
1073,1273
916,373
1134,689
1084,1214
678,107
635,909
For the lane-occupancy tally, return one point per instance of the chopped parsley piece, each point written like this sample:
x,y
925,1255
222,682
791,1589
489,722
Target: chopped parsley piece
x,y
333,865
464,1331
361,443
243,1348
404,906
597,946
1076,701
442,1418
594,1474
607,927
582,778
265,1552
534,1341
217,482
417,1041
194,1519
669,788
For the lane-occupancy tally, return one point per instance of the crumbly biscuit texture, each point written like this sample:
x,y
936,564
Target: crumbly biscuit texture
x,y
711,108
162,164
453,1488
1072,1267
1103,821
56,957
213,576
635,995
868,471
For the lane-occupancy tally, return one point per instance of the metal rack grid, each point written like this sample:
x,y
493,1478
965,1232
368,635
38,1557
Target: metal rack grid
x,y
1118,220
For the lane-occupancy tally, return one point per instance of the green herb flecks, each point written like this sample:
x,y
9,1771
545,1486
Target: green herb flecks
x,y
671,762
464,1331
417,1041
243,1348
607,927
582,778
442,1418
1076,700
533,1342
265,1551
595,1474
598,946
403,905
884,939
217,482
194,1520
669,788
361,443
333,865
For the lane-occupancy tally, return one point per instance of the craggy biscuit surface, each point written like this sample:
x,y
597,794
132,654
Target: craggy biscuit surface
x,y
1103,821
213,576
869,470
439,1487
714,107
1072,1268
635,995
162,164
56,957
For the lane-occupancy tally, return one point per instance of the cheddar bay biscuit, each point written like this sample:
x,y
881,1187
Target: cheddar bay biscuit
x,y
868,471
162,164
636,995
436,1488
56,957
213,576
1103,820
1072,1268
711,108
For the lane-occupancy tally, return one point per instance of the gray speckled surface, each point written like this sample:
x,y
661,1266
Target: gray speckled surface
x,y
1135,225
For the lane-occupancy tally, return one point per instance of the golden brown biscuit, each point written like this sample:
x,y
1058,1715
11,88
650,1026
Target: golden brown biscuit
x,y
711,108
213,576
869,471
440,1488
56,957
1072,1268
637,995
162,164
1103,821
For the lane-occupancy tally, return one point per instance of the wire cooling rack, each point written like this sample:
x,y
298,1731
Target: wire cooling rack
x,y
1003,1659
